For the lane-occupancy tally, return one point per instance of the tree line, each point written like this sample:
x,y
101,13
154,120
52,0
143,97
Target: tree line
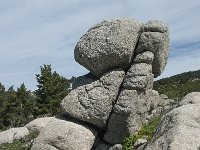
x,y
177,86
20,106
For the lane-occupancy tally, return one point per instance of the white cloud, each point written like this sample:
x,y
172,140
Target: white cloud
x,y
35,32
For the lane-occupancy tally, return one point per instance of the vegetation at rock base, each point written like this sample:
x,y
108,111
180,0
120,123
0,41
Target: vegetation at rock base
x,y
177,86
21,144
147,130
18,107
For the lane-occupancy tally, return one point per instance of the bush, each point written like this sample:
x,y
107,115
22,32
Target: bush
x,y
147,130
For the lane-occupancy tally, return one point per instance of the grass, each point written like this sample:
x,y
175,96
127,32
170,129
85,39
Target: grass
x,y
147,130
21,144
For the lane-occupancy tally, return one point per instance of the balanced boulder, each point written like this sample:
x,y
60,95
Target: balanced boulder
x,y
108,45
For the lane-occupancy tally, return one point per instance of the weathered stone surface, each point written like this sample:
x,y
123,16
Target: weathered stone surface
x,y
139,142
129,113
65,135
83,80
191,98
116,147
163,96
8,136
156,26
146,57
93,102
38,124
138,82
158,44
165,102
164,106
108,45
139,69
179,130
139,77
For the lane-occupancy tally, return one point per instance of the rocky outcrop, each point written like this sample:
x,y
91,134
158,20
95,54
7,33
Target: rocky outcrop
x,y
135,101
120,103
129,114
191,98
8,136
93,102
179,130
115,98
38,124
65,135
165,105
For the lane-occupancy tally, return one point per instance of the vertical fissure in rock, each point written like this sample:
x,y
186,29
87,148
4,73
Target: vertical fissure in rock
x,y
136,46
121,86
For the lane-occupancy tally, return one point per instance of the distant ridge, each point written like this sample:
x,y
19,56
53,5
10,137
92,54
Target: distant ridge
x,y
179,85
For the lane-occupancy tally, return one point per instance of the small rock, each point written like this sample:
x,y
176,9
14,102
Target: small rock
x,y
116,147
191,98
139,69
61,134
138,82
146,57
8,136
156,26
38,124
140,142
163,96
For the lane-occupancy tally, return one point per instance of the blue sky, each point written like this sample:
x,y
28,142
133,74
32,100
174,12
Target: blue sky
x,y
37,32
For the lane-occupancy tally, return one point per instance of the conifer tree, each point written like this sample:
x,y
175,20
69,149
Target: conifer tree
x,y
52,88
12,109
27,103
2,104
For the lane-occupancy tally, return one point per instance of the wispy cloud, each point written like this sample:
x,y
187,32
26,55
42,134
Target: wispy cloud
x,y
35,32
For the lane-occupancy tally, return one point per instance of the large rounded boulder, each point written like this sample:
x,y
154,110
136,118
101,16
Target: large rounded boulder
x,y
108,45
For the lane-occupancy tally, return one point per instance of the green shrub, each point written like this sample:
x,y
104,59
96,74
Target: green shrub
x,y
22,144
147,130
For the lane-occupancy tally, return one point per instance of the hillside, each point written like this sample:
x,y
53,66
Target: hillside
x,y
179,85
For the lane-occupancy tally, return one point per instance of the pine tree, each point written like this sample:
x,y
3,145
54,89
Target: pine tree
x,y
2,104
12,109
27,104
52,88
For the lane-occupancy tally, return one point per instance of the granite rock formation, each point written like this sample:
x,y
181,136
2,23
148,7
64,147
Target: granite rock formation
x,y
115,98
123,102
